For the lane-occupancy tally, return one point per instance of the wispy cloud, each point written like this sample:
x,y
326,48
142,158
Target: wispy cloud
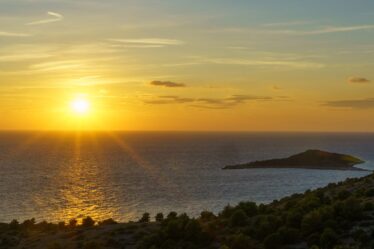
x,y
208,103
321,31
146,42
277,30
57,65
162,100
367,103
22,56
11,34
228,102
358,80
54,17
276,88
292,23
166,83
274,63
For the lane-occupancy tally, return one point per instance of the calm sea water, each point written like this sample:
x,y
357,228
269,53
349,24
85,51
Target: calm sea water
x,y
58,176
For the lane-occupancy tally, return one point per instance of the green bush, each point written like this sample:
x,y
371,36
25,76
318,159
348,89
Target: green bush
x,y
273,241
328,238
239,218
241,241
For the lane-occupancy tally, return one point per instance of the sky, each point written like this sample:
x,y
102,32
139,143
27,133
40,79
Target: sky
x,y
212,65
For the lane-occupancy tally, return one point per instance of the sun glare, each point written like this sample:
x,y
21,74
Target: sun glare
x,y
80,106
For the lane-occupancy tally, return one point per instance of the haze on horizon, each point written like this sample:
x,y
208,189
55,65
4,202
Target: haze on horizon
x,y
187,65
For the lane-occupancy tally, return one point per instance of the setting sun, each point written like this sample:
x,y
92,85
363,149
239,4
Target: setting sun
x,y
80,106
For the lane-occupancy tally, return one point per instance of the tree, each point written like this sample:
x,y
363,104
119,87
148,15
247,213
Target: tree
x,y
238,218
193,230
73,223
145,218
241,241
109,221
273,241
88,222
61,225
328,238
159,217
250,208
172,215
207,216
14,224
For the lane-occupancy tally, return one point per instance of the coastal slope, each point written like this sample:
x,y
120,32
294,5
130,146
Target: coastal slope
x,y
310,159
338,216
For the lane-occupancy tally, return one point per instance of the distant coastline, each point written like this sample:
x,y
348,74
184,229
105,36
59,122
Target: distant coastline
x,y
310,159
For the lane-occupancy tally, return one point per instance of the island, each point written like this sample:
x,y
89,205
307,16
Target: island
x,y
310,159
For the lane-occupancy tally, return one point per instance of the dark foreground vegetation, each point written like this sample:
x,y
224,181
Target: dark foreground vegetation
x,y
338,216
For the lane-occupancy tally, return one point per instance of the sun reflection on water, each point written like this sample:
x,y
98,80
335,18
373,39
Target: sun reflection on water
x,y
81,195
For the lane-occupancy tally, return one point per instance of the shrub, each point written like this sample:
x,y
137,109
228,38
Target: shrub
x,y
250,208
328,238
145,218
227,211
193,231
273,241
343,194
14,224
88,222
369,192
159,217
207,216
239,218
312,222
91,245
172,215
289,235
55,245
73,223
241,241
61,225
107,222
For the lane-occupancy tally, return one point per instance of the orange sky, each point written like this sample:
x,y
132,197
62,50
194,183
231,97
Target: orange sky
x,y
243,66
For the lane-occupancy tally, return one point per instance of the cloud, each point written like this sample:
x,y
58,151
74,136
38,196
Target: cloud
x,y
281,24
166,84
297,32
207,103
358,80
228,102
162,100
54,17
276,88
57,65
22,56
11,34
321,31
146,42
295,64
353,104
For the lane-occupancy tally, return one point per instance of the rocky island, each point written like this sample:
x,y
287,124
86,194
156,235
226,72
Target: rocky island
x,y
310,159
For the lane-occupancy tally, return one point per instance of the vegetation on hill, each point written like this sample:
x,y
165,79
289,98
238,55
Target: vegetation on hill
x,y
311,159
339,216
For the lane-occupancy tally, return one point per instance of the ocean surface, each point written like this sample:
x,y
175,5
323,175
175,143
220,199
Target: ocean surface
x,y
57,176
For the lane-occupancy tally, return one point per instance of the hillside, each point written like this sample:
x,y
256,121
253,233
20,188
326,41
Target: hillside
x,y
337,216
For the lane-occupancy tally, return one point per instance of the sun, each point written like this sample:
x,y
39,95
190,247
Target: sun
x,y
80,106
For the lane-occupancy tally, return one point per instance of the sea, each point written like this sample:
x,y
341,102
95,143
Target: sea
x,y
57,176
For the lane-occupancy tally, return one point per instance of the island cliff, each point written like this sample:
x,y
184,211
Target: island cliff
x,y
310,159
